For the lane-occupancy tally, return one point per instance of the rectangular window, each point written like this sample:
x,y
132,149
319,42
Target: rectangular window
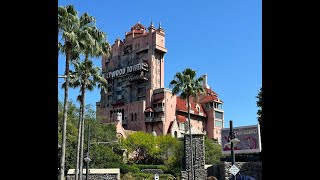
x,y
182,126
218,123
217,105
218,115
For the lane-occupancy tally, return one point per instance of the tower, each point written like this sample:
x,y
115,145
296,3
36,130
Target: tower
x,y
134,69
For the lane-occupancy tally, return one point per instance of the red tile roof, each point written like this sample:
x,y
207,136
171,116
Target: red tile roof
x,y
137,29
182,106
181,119
138,25
209,96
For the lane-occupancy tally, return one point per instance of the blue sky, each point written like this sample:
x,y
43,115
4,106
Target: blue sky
x,y
220,38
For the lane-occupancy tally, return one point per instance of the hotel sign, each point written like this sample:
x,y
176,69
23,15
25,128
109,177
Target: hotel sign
x,y
126,70
249,136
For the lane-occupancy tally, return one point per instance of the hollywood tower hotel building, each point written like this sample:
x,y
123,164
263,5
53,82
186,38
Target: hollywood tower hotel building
x,y
137,99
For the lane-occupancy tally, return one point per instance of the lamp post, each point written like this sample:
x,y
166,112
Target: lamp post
x,y
233,141
87,159
59,156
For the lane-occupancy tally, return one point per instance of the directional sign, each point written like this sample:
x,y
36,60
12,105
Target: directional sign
x,y
234,170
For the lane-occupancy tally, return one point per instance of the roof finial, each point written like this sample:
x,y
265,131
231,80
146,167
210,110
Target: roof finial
x,y
160,25
151,25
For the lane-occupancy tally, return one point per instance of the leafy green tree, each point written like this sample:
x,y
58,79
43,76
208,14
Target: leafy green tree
x,y
151,149
102,155
71,135
171,150
213,151
259,104
187,85
143,144
68,25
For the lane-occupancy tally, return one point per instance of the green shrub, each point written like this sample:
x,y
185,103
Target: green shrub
x,y
145,166
124,168
166,176
127,176
173,171
143,175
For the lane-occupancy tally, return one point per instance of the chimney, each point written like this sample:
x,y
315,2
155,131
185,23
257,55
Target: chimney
x,y
205,81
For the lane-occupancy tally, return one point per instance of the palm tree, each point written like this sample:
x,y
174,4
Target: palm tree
x,y
86,76
92,43
187,85
68,25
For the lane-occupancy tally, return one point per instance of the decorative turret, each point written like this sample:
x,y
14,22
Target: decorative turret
x,y
151,28
160,25
160,29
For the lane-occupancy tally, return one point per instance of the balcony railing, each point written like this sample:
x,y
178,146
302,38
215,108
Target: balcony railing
x,y
154,119
159,109
149,119
159,119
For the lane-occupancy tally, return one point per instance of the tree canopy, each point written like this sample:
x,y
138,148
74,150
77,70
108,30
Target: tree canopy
x,y
151,149
102,155
213,151
259,104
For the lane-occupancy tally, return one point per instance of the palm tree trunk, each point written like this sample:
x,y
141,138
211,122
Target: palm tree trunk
x,y
78,144
65,116
82,129
191,147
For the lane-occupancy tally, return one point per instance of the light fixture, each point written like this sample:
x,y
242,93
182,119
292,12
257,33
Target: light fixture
x,y
235,141
87,159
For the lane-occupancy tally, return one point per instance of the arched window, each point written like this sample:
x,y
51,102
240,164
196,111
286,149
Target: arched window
x,y
175,134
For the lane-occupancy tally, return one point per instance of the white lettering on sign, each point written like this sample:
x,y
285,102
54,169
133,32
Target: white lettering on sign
x,y
128,69
246,131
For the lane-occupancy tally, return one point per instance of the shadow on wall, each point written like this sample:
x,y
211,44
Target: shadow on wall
x,y
253,169
221,170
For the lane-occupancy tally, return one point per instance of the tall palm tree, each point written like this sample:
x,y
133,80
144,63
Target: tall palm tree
x,y
188,86
92,44
87,77
68,25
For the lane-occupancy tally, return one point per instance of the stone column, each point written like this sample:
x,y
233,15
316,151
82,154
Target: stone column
x,y
199,157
